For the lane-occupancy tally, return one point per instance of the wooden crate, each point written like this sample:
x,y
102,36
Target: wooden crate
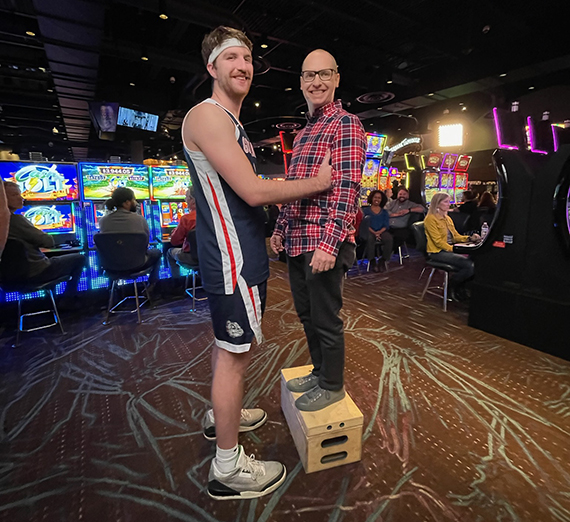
x,y
327,438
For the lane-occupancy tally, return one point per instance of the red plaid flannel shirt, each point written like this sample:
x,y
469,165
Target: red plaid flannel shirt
x,y
322,221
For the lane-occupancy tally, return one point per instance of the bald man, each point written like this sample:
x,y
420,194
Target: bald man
x,y
314,231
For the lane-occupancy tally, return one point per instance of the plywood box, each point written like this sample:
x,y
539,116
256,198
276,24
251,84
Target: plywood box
x,y
327,438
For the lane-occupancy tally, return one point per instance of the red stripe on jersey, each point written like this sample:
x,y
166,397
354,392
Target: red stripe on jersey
x,y
226,236
253,302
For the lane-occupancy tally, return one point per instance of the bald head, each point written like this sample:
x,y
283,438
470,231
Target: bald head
x,y
321,56
319,91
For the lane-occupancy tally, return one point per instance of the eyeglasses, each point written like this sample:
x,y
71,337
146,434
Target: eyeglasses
x,y
324,74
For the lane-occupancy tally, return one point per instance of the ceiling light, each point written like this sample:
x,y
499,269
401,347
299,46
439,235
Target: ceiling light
x,y
451,135
302,112
163,16
274,147
502,75
256,104
144,58
30,33
50,90
264,46
531,88
461,103
463,108
431,94
389,81
132,84
288,88
162,10
55,131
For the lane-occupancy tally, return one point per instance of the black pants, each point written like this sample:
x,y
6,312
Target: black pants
x,y
66,265
153,256
318,300
387,245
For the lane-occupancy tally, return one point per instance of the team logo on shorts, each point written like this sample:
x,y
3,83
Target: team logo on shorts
x,y
234,330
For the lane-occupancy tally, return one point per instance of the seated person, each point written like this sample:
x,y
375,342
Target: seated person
x,y
487,202
469,206
378,229
4,219
178,238
41,268
399,210
441,235
125,220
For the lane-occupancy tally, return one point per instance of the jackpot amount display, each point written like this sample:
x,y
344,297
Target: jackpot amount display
x,y
99,181
170,182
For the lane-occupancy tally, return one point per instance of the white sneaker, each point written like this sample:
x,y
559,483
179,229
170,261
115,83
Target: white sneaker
x,y
250,420
250,479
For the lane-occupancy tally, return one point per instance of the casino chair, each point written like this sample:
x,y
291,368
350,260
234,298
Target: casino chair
x,y
421,245
193,269
121,256
460,220
13,278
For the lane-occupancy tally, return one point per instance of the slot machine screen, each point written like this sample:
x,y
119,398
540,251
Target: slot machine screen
x,y
375,144
101,179
42,181
53,219
171,212
170,182
99,210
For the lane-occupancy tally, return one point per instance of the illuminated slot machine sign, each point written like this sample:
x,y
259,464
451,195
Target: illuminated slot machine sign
x,y
42,181
170,182
369,180
52,219
384,178
461,176
431,183
448,176
101,179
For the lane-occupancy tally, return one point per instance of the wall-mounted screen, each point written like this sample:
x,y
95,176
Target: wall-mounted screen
x,y
170,182
53,219
137,119
42,181
101,179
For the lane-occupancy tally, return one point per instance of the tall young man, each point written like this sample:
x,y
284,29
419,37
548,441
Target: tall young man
x,y
318,246
232,254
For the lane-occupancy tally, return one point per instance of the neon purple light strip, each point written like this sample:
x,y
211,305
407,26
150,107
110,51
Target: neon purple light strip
x,y
531,137
498,131
554,137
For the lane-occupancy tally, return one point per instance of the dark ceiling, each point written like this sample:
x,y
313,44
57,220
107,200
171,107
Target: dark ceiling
x,y
402,63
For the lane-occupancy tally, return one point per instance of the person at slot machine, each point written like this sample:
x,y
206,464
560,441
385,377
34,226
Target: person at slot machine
x,y
400,210
378,229
4,219
441,236
42,269
123,219
181,249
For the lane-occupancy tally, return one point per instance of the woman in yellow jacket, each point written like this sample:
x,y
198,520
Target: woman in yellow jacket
x,y
441,235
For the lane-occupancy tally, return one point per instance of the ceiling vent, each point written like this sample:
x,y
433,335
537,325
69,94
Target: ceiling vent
x,y
377,97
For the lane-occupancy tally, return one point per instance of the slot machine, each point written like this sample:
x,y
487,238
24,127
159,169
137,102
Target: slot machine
x,y
447,176
461,176
98,181
51,204
168,191
430,178
371,175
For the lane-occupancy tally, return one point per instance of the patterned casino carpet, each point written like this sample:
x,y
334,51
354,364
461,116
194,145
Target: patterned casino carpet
x,y
103,424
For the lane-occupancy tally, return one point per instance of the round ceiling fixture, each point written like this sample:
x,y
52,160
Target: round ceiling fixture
x,y
375,97
288,125
260,65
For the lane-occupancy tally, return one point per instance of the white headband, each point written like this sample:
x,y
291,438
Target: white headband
x,y
232,42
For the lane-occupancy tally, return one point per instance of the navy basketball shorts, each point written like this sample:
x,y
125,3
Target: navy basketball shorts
x,y
236,318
